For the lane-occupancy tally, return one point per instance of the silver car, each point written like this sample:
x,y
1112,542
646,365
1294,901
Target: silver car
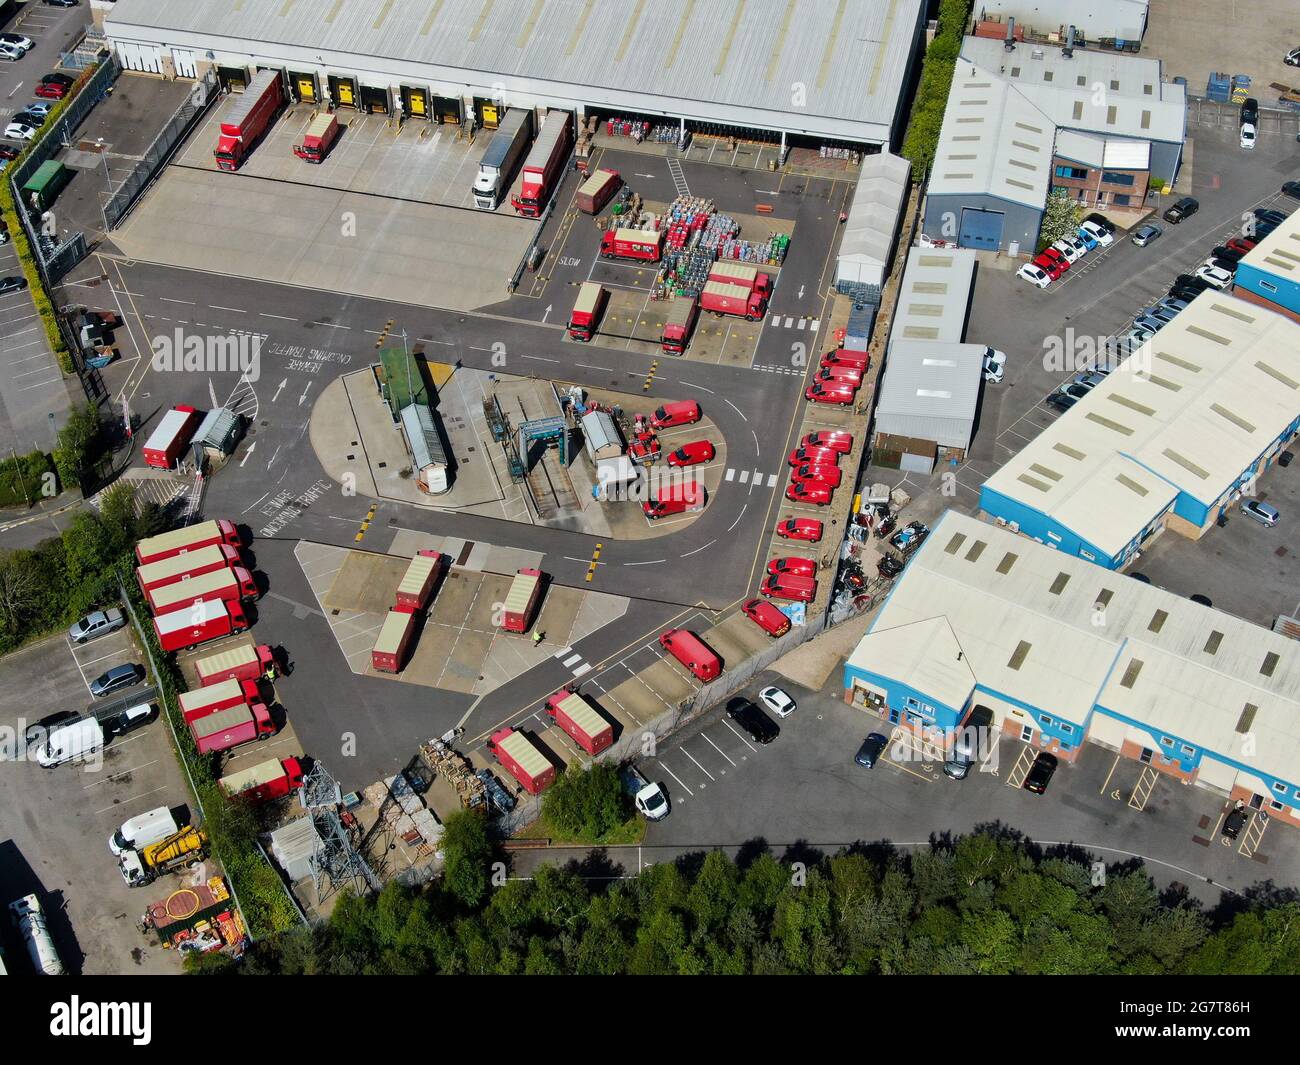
x,y
1144,235
1264,513
95,625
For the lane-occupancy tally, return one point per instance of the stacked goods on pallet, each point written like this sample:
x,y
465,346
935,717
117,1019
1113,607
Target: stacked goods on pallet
x,y
770,252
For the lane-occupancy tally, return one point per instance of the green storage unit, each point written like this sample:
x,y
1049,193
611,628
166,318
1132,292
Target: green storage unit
x,y
43,187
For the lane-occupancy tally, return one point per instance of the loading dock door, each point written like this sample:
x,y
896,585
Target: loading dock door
x,y
447,109
234,79
415,102
489,114
374,101
304,86
343,91
980,229
140,57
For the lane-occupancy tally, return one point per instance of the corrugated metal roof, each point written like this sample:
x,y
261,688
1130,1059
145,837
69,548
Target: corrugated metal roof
x,y
1200,666
931,391
1195,406
1121,19
1279,252
878,199
934,295
748,61
422,436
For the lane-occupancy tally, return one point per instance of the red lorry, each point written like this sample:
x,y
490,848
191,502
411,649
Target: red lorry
x,y
542,167
232,584
315,144
183,567
394,640
199,702
188,539
722,297
169,439
239,663
596,191
680,324
272,779
417,582
248,118
586,310
576,716
524,761
208,619
236,725
521,601
644,245
730,272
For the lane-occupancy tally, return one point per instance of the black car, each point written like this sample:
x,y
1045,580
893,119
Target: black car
x,y
1184,208
1226,265
116,679
1191,281
1291,188
1103,221
12,284
1061,401
889,567
869,753
61,3
1262,230
1141,578
1185,293
1249,110
760,727
1236,821
1203,600
1226,254
37,733
1040,773
58,79
1265,214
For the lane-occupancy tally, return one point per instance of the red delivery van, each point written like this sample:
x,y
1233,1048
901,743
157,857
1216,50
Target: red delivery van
x,y
198,702
677,498
182,567
272,779
521,600
586,310
231,727
417,583
680,324
318,138
394,641
246,662
692,652
577,717
192,625
681,412
525,762
190,538
169,439
646,245
227,584
597,190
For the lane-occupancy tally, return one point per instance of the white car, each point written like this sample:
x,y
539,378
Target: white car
x,y
933,242
995,363
1029,272
1215,276
1069,249
1248,135
11,51
20,131
1100,235
777,701
17,40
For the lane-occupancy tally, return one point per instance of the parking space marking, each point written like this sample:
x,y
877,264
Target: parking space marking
x,y
724,754
1146,783
701,768
1020,770
125,802
1253,834
736,732
666,769
119,774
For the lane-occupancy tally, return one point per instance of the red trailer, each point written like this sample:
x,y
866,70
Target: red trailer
x,y
272,779
644,245
542,167
239,663
680,324
232,584
524,761
248,119
183,567
199,702
730,272
394,641
318,138
417,583
169,439
521,600
586,310
236,725
575,715
206,620
724,298
596,191
190,538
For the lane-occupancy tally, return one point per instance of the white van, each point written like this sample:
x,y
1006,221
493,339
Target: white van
x,y
67,742
29,921
143,829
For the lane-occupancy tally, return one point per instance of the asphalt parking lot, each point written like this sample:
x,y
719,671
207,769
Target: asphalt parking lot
x,y
55,824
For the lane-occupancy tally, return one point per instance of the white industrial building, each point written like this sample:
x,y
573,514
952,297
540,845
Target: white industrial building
x,y
1118,23
820,69
1061,652
871,228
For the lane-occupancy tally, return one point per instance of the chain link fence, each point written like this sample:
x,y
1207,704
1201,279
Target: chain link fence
x,y
155,157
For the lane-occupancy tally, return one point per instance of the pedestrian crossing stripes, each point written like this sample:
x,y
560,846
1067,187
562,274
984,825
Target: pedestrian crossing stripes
x,y
789,322
791,370
752,478
679,177
572,661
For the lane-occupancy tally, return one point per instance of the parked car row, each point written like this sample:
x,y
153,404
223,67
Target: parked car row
x,y
1095,231
24,125
815,472
838,378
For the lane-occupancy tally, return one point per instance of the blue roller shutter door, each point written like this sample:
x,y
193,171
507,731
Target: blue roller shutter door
x,y
980,229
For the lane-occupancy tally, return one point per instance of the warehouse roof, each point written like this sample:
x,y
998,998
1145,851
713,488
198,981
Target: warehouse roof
x,y
934,295
1195,406
869,232
1024,619
850,60
1279,252
1094,151
931,391
1118,19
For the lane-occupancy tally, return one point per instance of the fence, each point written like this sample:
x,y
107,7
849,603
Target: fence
x,y
155,157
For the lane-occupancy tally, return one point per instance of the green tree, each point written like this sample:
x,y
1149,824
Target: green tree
x,y
79,445
469,854
1060,219
586,804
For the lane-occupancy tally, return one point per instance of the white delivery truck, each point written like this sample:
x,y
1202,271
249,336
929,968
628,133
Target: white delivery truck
x,y
66,743
503,153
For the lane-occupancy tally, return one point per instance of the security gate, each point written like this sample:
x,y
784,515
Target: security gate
x,y
980,229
